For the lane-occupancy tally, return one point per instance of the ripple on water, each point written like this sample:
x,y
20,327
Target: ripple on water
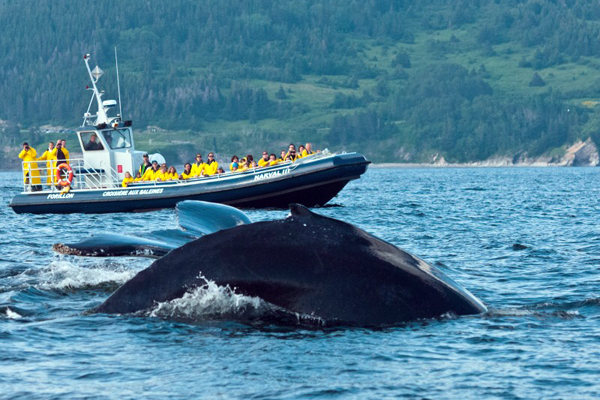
x,y
526,241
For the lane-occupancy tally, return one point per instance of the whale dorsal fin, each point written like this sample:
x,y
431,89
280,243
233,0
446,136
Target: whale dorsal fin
x,y
298,210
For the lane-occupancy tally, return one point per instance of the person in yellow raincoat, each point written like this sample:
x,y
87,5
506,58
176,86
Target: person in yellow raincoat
x,y
127,180
198,167
31,173
50,157
211,165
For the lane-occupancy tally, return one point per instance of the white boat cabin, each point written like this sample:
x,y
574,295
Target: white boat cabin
x,y
106,142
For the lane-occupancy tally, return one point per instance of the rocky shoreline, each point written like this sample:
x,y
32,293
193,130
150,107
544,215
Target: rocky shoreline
x,y
580,154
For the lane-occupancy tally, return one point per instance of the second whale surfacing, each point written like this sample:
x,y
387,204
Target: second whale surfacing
x,y
307,264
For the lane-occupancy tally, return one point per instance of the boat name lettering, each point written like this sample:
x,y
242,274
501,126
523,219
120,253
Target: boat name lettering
x,y
268,175
60,196
131,192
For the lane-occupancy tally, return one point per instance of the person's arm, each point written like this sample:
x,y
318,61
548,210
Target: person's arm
x,y
23,153
43,156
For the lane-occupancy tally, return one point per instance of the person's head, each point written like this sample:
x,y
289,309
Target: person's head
x,y
146,158
265,155
292,152
220,170
254,164
63,142
26,145
249,158
235,159
282,153
288,158
300,149
272,157
163,167
59,144
308,147
93,137
127,174
172,170
51,145
138,175
198,158
234,166
211,157
187,167
292,147
155,164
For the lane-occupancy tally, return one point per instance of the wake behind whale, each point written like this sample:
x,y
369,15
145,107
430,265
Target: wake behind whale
x,y
306,264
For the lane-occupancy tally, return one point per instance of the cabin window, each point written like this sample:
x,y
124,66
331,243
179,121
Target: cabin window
x,y
91,141
117,138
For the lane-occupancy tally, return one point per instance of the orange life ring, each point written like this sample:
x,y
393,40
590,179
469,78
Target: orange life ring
x,y
59,179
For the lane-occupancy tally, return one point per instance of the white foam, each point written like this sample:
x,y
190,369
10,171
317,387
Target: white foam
x,y
66,275
12,314
209,300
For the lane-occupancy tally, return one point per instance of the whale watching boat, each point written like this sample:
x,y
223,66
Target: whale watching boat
x,y
92,184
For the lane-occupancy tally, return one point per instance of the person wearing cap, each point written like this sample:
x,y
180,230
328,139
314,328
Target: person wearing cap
x,y
31,173
211,165
264,161
234,167
138,177
145,165
198,167
151,173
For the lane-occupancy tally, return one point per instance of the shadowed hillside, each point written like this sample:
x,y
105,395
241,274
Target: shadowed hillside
x,y
398,81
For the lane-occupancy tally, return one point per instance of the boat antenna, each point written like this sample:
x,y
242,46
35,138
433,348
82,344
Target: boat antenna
x,y
118,84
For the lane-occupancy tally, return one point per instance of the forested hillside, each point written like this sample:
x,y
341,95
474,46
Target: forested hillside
x,y
398,80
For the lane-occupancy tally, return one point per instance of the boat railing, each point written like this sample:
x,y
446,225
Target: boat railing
x,y
41,176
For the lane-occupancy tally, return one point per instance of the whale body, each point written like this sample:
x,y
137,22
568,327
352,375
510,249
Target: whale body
x,y
307,264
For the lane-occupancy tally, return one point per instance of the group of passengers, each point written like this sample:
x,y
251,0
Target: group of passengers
x,y
54,155
269,160
152,171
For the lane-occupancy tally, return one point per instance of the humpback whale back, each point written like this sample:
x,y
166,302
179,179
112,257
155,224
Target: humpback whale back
x,y
307,264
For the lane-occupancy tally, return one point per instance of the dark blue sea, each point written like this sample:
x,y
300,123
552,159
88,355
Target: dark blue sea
x,y
525,241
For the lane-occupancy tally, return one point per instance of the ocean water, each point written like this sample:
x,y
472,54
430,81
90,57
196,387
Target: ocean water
x,y
525,241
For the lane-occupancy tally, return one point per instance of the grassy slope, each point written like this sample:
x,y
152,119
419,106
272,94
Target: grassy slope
x,y
505,76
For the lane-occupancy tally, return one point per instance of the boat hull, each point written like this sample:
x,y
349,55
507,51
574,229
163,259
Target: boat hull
x,y
311,183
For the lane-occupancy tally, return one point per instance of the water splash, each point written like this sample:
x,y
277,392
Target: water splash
x,y
64,275
10,314
210,301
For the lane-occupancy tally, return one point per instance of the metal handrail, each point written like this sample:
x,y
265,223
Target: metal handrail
x,y
42,177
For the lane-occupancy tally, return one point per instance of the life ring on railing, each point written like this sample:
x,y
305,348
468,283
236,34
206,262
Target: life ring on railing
x,y
59,179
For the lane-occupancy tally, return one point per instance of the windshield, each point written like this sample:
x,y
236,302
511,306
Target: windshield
x,y
90,141
117,138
